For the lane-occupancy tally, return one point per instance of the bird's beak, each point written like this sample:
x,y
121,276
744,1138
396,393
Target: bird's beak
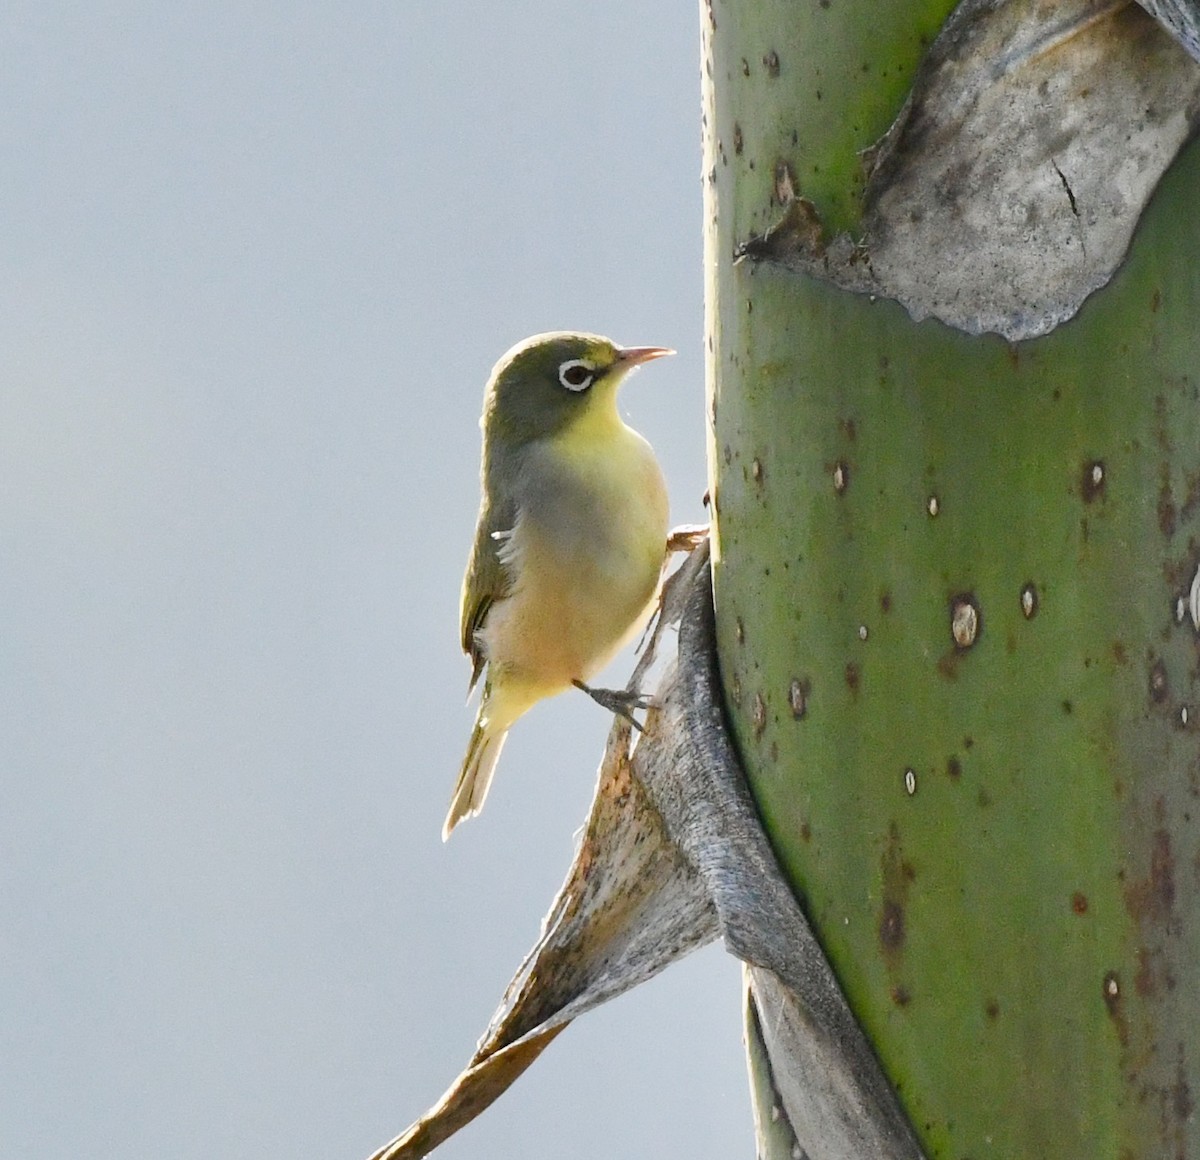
x,y
634,356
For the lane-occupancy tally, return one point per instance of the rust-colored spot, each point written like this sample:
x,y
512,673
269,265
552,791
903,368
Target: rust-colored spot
x,y
1092,479
992,1010
897,875
745,67
758,714
1079,902
1119,655
1151,899
885,601
947,664
891,926
1158,682
953,768
901,995
805,831
738,140
1068,707
1161,435
1179,573
785,183
621,783
771,62
1111,991
1143,981
1162,870
1191,499
1168,515
853,677
1182,1103
798,692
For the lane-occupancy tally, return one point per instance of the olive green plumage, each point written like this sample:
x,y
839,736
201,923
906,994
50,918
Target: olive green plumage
x,y
570,539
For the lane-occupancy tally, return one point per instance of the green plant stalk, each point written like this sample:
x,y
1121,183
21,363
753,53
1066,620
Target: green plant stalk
x,y
847,63
997,843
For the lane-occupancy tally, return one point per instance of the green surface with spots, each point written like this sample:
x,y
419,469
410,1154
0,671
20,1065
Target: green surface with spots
x,y
808,57
996,838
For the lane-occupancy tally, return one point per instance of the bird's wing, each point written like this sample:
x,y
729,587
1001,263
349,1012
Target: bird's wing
x,y
487,578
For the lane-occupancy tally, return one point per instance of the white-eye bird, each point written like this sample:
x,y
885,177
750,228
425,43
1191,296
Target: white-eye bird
x,y
570,542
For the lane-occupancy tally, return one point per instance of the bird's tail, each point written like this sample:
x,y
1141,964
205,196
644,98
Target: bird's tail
x,y
475,777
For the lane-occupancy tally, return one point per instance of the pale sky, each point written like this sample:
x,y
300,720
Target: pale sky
x,y
257,261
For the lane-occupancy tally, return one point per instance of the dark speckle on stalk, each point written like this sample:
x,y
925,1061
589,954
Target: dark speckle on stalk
x,y
1092,481
965,620
1029,600
798,692
1158,682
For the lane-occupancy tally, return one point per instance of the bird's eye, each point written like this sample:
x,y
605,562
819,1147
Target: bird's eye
x,y
576,375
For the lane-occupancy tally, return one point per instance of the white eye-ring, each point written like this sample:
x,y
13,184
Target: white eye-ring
x,y
576,374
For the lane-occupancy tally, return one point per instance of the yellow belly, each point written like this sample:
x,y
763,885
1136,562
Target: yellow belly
x,y
586,565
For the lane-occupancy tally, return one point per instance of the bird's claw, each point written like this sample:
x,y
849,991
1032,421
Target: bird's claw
x,y
686,537
622,702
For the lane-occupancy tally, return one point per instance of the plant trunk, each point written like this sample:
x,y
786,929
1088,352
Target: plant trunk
x,y
957,622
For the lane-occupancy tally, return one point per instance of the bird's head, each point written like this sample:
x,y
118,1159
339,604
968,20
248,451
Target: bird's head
x,y
544,384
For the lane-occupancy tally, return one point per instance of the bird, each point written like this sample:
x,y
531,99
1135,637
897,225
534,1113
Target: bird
x,y
570,541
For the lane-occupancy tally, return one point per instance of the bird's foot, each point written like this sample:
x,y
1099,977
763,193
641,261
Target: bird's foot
x,y
686,537
683,538
622,702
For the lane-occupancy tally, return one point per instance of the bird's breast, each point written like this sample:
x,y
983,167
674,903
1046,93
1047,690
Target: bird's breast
x,y
584,558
